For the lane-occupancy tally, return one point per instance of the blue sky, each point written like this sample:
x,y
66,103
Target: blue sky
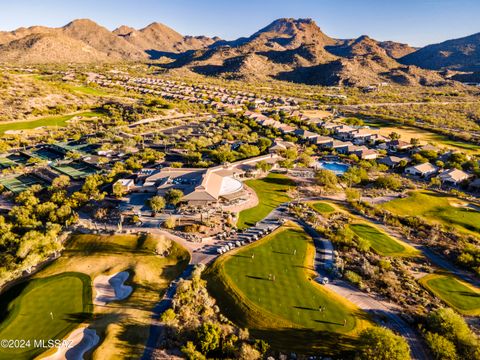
x,y
417,22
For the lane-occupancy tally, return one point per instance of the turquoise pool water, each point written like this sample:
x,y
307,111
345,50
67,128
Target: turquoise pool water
x,y
336,167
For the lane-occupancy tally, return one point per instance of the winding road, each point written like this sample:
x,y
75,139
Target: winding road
x,y
385,313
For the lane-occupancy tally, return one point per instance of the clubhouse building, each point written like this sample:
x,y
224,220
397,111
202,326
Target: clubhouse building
x,y
202,187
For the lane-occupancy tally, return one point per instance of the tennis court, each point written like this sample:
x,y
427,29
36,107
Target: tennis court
x,y
6,163
12,160
76,170
19,183
48,154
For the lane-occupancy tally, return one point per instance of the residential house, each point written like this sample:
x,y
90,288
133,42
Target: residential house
x,y
280,145
453,177
422,170
341,147
393,161
305,134
398,145
366,154
361,136
322,140
127,184
344,132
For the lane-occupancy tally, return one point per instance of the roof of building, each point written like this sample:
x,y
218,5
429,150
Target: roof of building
x,y
424,168
454,175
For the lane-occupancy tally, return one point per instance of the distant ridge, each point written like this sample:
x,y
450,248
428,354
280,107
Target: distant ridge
x,y
287,49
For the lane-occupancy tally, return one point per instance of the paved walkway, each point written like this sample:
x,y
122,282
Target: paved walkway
x,y
156,327
384,312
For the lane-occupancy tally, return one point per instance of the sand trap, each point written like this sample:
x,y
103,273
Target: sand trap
x,y
80,340
111,288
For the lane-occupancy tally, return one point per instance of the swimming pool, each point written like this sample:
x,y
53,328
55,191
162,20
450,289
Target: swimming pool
x,y
336,167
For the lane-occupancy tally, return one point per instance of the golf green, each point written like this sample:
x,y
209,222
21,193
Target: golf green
x,y
438,208
322,207
269,286
43,309
462,297
380,242
271,192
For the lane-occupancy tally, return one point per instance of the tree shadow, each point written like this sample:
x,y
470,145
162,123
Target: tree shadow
x,y
466,293
305,308
282,252
8,296
78,317
241,256
257,277
279,181
308,341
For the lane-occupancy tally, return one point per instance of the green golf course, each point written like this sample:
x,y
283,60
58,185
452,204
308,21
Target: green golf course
x,y
382,243
271,192
269,287
58,298
55,120
43,309
438,208
461,296
321,207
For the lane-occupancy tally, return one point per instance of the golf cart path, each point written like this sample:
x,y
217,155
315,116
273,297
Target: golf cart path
x,y
324,260
431,255
157,329
379,309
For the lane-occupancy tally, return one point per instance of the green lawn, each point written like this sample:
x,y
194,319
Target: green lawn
x,y
382,243
88,90
44,309
437,208
60,120
271,192
462,297
269,287
322,207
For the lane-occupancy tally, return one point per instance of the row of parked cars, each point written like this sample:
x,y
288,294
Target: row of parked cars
x,y
246,237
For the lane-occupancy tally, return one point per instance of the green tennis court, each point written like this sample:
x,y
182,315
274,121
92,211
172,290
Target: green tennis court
x,y
76,170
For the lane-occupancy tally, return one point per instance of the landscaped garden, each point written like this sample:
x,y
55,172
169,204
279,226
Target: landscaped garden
x,y
461,296
438,208
380,242
270,288
271,192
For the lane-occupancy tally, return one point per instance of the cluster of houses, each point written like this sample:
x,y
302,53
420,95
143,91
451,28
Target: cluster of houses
x,y
343,139
366,144
215,96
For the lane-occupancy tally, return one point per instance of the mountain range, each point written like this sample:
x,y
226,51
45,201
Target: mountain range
x,y
287,49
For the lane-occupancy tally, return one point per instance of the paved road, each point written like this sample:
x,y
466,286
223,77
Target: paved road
x,y
384,312
156,328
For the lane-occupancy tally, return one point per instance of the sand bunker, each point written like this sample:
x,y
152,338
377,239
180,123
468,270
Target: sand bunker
x,y
111,288
80,340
